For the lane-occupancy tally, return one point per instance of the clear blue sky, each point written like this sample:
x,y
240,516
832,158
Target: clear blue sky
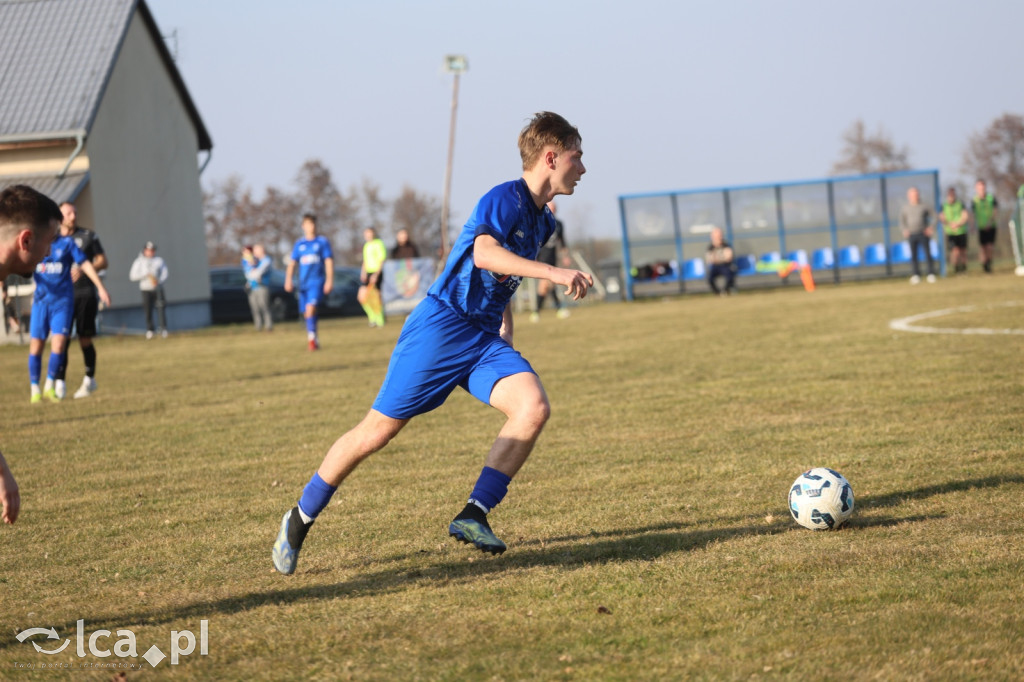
x,y
668,94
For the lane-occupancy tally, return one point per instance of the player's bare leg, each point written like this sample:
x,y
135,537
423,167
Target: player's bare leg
x,y
522,399
369,436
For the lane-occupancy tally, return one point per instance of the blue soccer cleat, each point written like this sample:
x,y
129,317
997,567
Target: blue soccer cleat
x,y
289,541
477,533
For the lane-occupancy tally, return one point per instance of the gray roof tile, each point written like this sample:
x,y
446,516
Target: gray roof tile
x,y
56,57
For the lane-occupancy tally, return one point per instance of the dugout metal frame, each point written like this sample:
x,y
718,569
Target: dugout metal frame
x,y
854,219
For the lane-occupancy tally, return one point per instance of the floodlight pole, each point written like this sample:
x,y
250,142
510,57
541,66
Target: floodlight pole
x,y
455,65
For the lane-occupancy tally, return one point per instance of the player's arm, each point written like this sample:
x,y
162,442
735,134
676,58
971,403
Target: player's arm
x,y
506,324
10,498
328,275
91,273
289,271
490,255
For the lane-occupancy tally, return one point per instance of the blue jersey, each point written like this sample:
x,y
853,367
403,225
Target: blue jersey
x,y
508,214
257,273
53,274
310,255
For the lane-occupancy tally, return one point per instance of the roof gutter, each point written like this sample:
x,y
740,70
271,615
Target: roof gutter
x,y
209,155
43,137
79,143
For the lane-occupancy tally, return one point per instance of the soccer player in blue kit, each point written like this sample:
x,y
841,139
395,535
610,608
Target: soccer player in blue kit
x,y
53,308
461,335
29,222
315,261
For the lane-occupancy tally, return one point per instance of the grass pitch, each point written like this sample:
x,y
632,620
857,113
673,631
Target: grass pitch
x,y
649,537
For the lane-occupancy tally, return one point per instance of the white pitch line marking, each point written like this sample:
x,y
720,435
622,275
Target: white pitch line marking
x,y
906,324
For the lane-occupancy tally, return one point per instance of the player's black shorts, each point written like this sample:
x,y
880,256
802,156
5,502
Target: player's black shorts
x,y
957,241
987,236
546,255
86,308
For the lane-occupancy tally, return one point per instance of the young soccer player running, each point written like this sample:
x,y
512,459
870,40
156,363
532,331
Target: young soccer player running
x,y
53,307
315,260
461,335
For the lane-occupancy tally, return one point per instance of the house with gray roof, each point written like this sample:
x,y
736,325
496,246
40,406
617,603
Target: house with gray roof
x,y
94,111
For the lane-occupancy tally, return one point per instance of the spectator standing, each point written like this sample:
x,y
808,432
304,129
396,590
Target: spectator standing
x,y
150,271
917,225
404,247
257,267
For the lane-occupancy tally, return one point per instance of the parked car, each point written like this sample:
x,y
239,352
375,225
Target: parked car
x,y
342,302
229,300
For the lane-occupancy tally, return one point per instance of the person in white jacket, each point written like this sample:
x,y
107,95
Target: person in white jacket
x,y
150,271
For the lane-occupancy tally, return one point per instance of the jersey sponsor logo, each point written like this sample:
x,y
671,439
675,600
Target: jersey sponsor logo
x,y
309,258
508,281
50,268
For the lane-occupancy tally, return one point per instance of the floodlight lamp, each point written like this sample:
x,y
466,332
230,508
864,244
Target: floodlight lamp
x,y
456,63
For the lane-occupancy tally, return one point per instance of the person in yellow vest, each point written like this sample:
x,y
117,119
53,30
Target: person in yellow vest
x,y
374,255
986,218
954,223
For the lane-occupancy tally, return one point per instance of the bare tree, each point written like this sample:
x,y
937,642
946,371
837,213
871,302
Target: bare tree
x,y
866,153
222,224
318,194
234,217
996,155
420,214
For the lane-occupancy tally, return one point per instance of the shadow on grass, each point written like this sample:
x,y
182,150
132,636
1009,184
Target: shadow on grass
x,y
639,544
643,543
896,498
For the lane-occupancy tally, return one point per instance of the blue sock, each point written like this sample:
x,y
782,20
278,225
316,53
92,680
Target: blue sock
x,y
311,324
54,365
490,488
315,496
35,368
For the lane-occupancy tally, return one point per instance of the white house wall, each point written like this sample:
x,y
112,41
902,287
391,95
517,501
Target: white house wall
x,y
144,182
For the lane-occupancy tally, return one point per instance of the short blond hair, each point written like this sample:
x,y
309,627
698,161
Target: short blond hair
x,y
546,129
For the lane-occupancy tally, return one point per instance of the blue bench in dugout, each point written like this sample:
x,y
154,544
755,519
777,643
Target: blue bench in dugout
x,y
694,269
874,254
823,259
849,257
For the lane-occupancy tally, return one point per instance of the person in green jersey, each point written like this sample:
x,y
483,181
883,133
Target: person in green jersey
x,y
954,222
986,217
374,255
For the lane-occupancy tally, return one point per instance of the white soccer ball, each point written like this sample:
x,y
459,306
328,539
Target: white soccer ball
x,y
821,499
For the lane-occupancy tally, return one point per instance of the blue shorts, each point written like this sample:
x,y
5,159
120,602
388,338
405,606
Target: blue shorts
x,y
311,296
437,351
51,315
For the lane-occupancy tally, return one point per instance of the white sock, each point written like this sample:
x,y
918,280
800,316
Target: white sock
x,y
305,519
480,504
48,385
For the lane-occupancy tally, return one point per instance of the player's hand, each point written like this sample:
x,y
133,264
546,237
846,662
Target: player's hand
x,y
288,286
576,283
76,274
9,496
328,286
104,296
